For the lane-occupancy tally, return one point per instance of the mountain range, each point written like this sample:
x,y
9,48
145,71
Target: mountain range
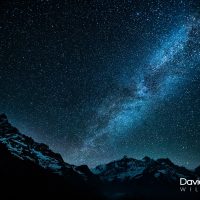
x,y
33,168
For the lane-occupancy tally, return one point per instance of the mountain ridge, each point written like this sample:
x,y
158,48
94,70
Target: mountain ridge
x,y
129,168
24,161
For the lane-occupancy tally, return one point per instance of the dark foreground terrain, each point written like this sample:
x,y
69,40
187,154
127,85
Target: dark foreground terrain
x,y
28,167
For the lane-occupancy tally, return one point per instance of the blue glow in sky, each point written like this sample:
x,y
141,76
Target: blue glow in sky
x,y
95,82
162,76
171,47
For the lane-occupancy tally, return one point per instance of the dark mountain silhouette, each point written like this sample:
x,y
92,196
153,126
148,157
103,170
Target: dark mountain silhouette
x,y
130,178
32,168
161,171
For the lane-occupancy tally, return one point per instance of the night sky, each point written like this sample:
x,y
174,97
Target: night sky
x,y
96,80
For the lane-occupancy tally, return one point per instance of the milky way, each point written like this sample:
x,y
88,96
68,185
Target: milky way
x,y
99,79
166,72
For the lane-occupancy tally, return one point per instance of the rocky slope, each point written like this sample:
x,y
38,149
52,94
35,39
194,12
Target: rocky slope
x,y
32,168
133,170
25,148
130,178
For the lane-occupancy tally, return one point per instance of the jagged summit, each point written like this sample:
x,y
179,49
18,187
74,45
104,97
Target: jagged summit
x,y
26,165
146,159
21,156
129,169
26,149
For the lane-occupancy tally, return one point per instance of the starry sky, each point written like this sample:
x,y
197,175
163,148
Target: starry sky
x,y
96,80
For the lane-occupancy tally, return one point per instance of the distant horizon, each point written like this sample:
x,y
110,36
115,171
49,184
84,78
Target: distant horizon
x,y
109,161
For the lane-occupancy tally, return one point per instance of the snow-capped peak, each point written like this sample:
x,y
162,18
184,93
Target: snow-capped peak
x,y
25,148
129,169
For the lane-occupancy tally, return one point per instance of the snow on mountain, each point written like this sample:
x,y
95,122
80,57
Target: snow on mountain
x,y
129,169
125,170
121,169
25,148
